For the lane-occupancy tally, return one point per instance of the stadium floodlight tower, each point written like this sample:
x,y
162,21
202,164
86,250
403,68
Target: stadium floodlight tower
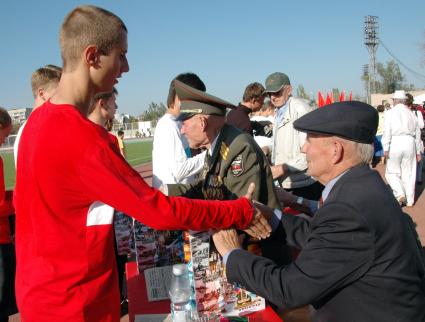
x,y
371,40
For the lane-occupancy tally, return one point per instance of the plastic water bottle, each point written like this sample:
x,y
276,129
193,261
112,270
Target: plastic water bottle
x,y
180,293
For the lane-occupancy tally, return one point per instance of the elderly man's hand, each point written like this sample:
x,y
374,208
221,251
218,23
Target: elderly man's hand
x,y
259,227
285,197
226,240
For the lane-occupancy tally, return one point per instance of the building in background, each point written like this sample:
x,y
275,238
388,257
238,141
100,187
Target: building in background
x,y
19,115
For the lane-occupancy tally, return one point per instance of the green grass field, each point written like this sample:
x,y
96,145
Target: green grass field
x,y
138,152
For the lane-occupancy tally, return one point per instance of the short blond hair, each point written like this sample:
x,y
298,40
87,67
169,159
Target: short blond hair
x,y
45,77
88,25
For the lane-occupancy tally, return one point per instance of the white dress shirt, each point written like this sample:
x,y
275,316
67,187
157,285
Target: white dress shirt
x,y
170,163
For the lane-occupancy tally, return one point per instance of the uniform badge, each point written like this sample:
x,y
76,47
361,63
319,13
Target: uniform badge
x,y
224,150
237,166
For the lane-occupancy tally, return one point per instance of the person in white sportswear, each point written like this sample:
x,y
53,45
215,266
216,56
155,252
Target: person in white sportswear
x,y
401,143
171,161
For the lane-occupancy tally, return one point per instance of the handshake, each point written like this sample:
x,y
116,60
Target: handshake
x,y
227,239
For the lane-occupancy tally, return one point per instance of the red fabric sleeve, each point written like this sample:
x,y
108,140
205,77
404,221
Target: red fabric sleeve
x,y
109,179
6,205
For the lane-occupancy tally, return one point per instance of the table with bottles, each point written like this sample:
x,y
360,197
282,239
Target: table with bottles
x,y
139,304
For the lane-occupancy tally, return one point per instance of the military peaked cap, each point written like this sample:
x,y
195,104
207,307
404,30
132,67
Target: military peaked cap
x,y
195,102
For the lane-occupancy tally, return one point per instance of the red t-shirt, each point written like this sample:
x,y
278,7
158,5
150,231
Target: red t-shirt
x,y
6,209
69,179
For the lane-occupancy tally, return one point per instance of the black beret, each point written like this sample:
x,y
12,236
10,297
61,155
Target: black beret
x,y
352,120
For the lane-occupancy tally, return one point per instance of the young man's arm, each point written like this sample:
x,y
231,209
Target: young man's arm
x,y
107,178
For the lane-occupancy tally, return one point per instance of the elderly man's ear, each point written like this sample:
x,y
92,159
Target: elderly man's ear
x,y
204,123
338,151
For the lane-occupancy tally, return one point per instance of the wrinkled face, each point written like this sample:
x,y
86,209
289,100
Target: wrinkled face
x,y
110,107
4,133
280,98
194,130
112,66
319,153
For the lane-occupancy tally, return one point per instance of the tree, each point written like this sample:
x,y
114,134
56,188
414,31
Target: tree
x,y
302,93
153,113
391,77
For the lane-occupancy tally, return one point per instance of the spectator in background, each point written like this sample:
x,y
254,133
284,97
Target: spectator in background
x,y
43,84
379,151
263,127
171,156
120,136
7,247
401,143
289,164
252,100
420,118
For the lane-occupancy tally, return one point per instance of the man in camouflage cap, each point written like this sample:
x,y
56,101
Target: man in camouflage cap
x,y
289,164
233,159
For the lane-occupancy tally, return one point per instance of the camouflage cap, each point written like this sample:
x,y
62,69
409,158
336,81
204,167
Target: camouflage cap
x,y
275,82
195,102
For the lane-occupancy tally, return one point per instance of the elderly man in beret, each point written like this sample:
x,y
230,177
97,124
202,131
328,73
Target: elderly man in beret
x,y
233,159
360,259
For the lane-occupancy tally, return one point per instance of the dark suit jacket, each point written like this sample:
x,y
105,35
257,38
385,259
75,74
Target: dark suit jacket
x,y
359,262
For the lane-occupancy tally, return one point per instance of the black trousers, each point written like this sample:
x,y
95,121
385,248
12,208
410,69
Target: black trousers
x,y
7,281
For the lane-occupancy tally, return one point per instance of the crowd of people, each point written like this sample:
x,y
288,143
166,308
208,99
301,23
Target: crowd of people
x,y
358,257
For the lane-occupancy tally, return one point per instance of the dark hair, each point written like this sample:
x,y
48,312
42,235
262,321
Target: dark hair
x,y
120,132
380,108
190,79
410,99
253,91
100,96
5,119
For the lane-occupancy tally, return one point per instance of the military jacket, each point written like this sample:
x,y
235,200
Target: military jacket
x,y
236,161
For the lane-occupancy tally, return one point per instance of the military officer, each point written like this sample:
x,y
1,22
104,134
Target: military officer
x,y
233,160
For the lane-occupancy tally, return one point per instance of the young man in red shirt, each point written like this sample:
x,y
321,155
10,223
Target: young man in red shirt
x,y
66,190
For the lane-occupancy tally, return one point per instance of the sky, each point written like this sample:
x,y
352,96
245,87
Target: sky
x,y
229,44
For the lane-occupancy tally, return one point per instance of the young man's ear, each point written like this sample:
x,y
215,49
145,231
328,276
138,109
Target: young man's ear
x,y
92,56
40,93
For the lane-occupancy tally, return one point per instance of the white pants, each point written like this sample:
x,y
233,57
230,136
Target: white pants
x,y
401,167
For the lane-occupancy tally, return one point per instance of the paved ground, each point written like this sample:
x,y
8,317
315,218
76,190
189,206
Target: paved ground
x,y
417,212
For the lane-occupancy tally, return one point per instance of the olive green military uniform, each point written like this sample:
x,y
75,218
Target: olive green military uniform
x,y
237,161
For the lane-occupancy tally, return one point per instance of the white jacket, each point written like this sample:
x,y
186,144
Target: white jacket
x,y
287,143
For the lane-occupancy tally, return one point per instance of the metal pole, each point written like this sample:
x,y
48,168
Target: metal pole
x,y
371,40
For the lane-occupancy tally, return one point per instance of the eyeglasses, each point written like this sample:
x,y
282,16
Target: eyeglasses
x,y
276,94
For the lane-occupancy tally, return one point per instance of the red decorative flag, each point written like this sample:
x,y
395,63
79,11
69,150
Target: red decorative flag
x,y
351,96
320,99
342,96
328,99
